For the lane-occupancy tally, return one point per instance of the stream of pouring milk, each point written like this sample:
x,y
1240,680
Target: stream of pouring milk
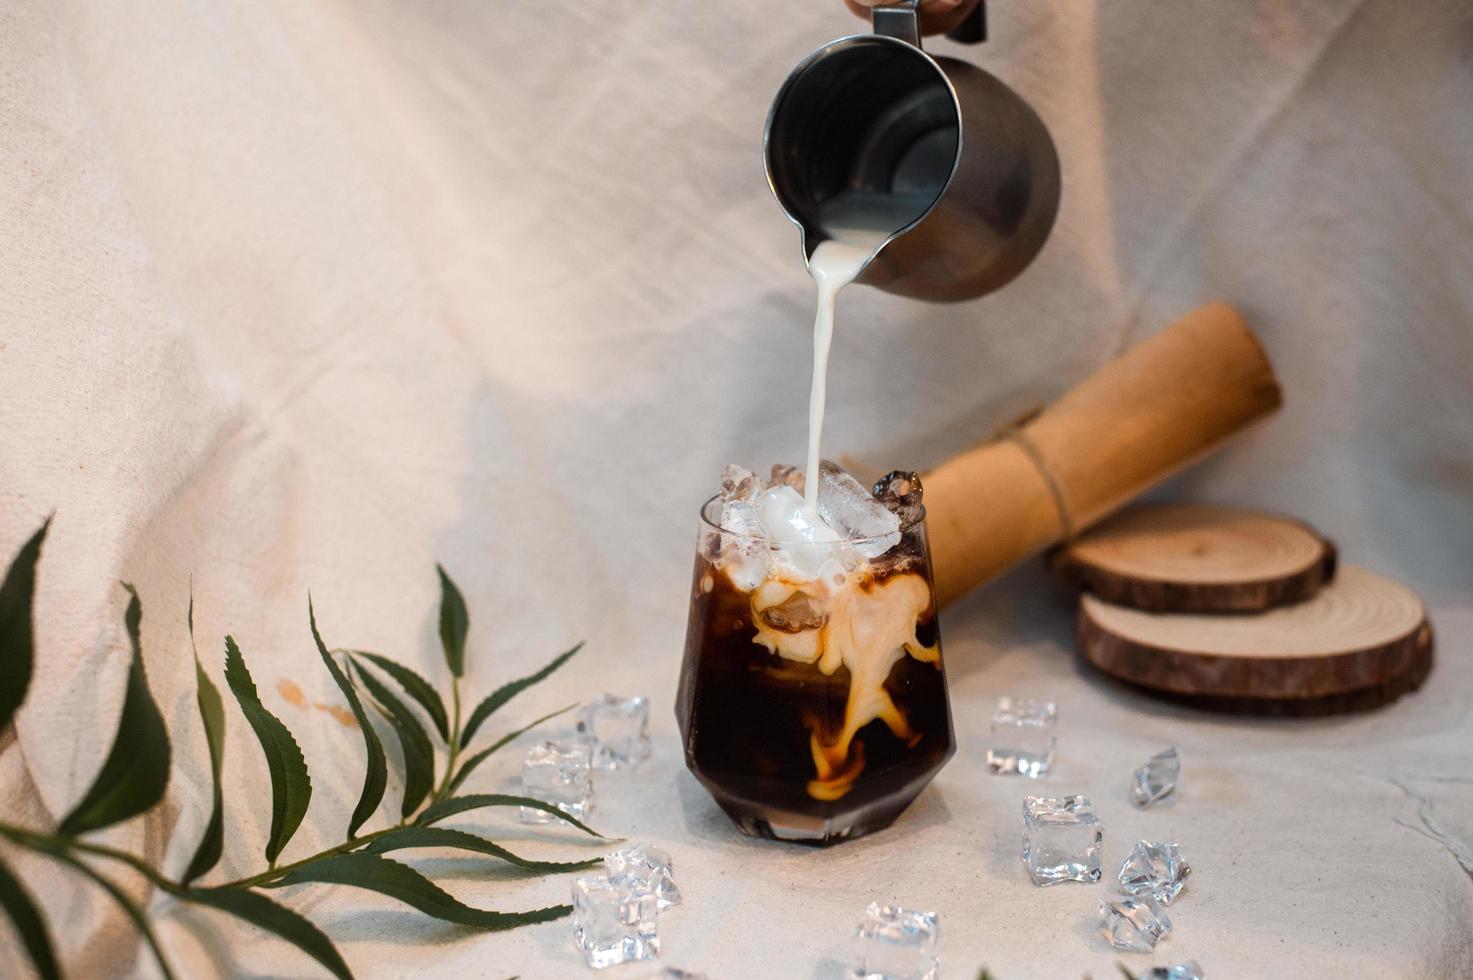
x,y
858,223
834,265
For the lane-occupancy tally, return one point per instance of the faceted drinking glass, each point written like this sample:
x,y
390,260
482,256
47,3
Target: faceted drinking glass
x,y
812,700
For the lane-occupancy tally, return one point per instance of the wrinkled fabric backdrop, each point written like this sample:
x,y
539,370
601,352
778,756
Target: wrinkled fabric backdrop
x,y
314,295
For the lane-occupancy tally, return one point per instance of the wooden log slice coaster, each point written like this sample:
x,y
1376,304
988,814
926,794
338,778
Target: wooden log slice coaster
x,y
1197,558
1362,640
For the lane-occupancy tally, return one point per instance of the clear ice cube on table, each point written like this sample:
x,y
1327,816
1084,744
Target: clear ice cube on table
x,y
848,507
894,943
1179,971
1156,780
558,772
1133,922
614,923
1157,870
646,866
1062,838
900,491
1023,737
617,730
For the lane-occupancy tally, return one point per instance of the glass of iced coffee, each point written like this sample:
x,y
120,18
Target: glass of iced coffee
x,y
812,697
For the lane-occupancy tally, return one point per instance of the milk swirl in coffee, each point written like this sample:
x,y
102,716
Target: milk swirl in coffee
x,y
812,699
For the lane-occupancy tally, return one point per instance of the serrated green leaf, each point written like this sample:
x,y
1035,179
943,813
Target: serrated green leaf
x,y
291,785
419,754
417,837
129,907
376,771
499,697
478,801
212,713
470,764
29,924
455,623
403,883
137,769
415,686
17,645
259,910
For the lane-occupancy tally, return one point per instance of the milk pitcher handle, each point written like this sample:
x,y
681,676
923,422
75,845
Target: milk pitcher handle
x,y
898,20
973,30
902,22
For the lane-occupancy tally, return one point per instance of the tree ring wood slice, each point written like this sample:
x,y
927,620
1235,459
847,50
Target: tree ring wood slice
x,y
1198,558
1361,633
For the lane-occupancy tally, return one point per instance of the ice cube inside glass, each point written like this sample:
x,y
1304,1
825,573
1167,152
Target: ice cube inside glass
x,y
1022,737
1062,839
894,943
614,923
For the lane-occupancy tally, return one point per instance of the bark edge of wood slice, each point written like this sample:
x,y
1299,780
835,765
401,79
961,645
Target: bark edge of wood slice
x,y
1362,640
1197,558
1364,699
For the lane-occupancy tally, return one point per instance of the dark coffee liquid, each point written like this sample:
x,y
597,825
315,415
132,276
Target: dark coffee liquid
x,y
749,717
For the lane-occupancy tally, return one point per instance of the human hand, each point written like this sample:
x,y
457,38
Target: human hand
x,y
937,16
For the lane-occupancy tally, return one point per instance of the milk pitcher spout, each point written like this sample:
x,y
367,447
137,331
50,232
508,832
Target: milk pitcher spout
x,y
958,173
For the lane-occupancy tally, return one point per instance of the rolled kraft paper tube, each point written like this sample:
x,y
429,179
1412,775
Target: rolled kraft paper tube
x,y
1157,408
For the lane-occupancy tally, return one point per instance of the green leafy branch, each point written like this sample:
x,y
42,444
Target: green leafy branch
x,y
136,772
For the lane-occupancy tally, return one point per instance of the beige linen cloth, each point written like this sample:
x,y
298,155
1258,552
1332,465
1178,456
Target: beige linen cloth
x,y
314,294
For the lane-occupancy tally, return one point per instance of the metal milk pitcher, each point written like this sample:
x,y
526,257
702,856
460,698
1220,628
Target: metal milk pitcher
x,y
937,150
